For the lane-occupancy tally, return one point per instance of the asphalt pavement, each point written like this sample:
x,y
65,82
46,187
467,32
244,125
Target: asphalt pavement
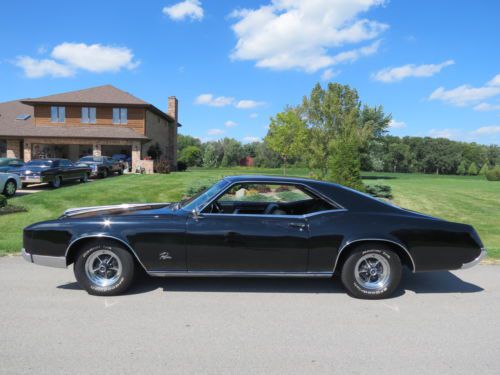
x,y
437,323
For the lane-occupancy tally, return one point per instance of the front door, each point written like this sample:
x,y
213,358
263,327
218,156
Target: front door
x,y
252,227
247,243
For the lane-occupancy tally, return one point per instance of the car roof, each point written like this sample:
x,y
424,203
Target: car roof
x,y
277,179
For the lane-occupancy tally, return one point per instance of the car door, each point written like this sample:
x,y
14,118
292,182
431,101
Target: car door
x,y
265,243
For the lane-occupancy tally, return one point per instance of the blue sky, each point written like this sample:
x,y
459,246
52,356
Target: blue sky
x,y
233,64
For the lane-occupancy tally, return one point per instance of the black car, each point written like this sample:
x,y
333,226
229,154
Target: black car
x,y
102,166
254,226
52,171
9,164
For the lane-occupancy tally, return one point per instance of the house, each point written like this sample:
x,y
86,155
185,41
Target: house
x,y
97,121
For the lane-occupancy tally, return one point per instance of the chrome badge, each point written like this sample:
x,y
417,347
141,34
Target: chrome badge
x,y
165,255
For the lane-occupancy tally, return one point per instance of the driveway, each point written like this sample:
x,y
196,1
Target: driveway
x,y
446,323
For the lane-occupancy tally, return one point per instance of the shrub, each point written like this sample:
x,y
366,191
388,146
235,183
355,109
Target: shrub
x,y
191,155
181,166
484,169
493,174
3,201
263,189
472,169
379,191
163,166
282,188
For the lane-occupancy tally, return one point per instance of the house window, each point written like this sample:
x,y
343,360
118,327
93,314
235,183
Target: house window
x,y
119,115
88,115
58,114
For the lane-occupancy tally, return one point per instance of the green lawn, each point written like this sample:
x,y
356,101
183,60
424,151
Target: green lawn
x,y
471,200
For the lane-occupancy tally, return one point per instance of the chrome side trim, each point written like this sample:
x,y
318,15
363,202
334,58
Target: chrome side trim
x,y
277,216
44,260
104,236
237,274
475,261
375,239
81,210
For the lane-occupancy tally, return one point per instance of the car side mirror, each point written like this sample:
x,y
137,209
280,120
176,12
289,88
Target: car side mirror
x,y
196,214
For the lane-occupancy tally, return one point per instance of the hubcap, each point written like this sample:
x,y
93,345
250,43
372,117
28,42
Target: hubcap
x,y
372,271
103,268
10,188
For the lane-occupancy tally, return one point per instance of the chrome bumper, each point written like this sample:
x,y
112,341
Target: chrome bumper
x,y
44,260
475,261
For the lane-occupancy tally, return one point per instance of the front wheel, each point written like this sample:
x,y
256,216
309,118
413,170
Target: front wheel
x,y
56,182
104,269
85,178
10,188
104,173
371,272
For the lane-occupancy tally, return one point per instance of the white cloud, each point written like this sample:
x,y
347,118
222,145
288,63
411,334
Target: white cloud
x,y
483,107
466,94
230,124
254,115
95,58
215,132
185,9
328,74
68,58
355,54
410,70
394,124
250,139
444,133
34,68
248,104
210,100
297,34
487,130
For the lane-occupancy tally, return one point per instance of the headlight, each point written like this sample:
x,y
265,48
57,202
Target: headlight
x,y
94,167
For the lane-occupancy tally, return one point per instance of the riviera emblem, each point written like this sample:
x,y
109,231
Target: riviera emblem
x,y
165,255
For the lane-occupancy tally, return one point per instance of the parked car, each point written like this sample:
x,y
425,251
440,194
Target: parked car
x,y
102,166
254,226
52,171
9,182
8,164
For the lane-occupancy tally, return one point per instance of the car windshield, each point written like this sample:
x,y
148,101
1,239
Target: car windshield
x,y
92,158
196,201
39,163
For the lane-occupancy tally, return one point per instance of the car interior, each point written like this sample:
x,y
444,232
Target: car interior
x,y
268,199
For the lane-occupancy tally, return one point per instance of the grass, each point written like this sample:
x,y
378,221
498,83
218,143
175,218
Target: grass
x,y
470,200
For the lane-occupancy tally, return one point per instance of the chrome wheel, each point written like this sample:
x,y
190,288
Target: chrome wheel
x,y
10,188
103,268
372,271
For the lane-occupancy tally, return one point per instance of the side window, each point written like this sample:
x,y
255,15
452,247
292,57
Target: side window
x,y
57,114
120,115
88,115
265,193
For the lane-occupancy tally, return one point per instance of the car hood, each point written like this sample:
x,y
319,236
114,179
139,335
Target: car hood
x,y
29,169
115,210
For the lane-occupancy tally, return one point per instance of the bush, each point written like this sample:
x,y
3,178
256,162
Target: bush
x,y
379,191
163,166
3,201
282,188
191,155
181,166
493,174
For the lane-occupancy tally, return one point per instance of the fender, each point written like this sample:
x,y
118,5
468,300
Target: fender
x,y
388,239
82,237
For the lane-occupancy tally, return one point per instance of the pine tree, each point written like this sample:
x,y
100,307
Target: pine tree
x,y
461,170
484,169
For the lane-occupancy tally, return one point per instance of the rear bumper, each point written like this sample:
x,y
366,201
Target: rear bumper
x,y
44,260
475,261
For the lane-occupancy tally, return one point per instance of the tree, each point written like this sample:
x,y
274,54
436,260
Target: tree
x,y
265,157
472,169
398,156
462,168
191,155
184,141
287,135
233,152
154,151
484,169
213,154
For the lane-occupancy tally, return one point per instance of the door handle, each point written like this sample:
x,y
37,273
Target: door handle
x,y
301,226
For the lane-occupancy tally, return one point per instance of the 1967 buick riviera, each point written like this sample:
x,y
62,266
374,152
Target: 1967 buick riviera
x,y
254,226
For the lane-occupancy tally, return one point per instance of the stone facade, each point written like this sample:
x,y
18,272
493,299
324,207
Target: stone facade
x,y
14,148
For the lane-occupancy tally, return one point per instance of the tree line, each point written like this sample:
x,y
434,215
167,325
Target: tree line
x,y
336,136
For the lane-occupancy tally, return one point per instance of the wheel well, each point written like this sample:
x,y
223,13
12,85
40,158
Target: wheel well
x,y
75,247
398,249
11,179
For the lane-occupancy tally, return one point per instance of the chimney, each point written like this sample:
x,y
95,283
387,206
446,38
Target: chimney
x,y
173,106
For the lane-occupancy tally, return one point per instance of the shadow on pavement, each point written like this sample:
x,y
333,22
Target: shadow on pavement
x,y
429,282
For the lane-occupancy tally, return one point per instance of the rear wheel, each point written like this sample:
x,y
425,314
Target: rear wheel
x,y
10,188
104,269
120,171
85,178
56,182
104,173
372,271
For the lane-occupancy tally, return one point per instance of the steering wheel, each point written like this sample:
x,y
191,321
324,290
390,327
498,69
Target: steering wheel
x,y
215,208
271,207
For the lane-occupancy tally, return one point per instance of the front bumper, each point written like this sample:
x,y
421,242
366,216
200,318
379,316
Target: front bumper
x,y
475,261
44,260
31,180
